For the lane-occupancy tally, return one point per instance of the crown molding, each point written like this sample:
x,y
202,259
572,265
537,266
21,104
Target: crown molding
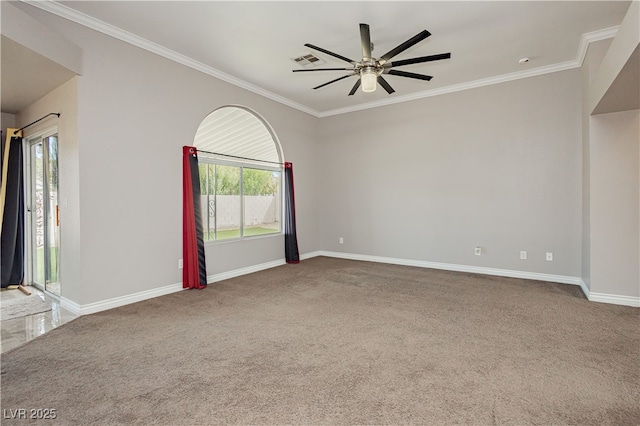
x,y
120,34
591,37
585,39
456,88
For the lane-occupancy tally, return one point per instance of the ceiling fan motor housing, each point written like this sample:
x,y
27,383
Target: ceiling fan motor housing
x,y
369,70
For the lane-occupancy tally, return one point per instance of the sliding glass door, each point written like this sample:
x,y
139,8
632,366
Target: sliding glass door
x,y
42,211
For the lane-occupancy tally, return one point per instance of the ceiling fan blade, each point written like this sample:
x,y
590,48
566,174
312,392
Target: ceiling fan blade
x,y
335,55
410,75
404,46
333,81
365,40
355,87
419,60
386,85
325,69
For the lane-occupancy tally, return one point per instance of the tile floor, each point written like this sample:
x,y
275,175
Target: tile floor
x,y
17,331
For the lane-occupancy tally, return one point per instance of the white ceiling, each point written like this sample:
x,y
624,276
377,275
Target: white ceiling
x,y
251,43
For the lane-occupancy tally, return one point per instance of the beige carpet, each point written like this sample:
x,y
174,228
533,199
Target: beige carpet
x,y
333,341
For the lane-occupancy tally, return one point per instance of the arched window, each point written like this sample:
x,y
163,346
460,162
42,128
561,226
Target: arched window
x,y
240,175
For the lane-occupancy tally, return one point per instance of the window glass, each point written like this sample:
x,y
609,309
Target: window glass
x,y
261,192
228,202
240,176
208,200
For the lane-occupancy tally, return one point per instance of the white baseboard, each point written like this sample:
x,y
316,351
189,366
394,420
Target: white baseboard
x,y
254,268
244,271
615,299
116,302
584,287
70,306
563,279
311,254
610,298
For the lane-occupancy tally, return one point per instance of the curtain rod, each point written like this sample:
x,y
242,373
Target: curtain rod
x,y
39,119
242,158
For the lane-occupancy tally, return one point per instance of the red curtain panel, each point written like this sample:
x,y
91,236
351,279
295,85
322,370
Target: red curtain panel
x,y
194,272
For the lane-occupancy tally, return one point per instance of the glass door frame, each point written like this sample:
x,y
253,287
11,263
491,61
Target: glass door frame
x,y
50,214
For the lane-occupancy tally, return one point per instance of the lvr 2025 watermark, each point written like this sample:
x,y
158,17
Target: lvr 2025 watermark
x,y
30,413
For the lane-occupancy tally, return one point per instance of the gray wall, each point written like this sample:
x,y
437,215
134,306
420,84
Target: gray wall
x,y
615,198
31,33
603,95
595,53
611,243
137,111
428,180
7,120
64,100
498,166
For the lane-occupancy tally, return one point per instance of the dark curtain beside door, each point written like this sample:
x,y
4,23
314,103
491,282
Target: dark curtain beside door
x,y
12,225
194,273
290,234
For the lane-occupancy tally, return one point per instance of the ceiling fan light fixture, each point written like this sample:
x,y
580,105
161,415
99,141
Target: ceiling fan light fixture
x,y
369,80
369,69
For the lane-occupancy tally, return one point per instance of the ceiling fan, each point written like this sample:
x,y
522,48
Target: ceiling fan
x,y
369,69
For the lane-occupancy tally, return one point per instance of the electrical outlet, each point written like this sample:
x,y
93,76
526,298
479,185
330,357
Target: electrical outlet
x,y
180,264
523,255
549,256
478,251
341,240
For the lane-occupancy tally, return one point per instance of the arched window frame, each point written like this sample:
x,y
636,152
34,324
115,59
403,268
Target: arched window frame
x,y
214,161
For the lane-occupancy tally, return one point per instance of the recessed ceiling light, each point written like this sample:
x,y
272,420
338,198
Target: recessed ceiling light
x,y
523,60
